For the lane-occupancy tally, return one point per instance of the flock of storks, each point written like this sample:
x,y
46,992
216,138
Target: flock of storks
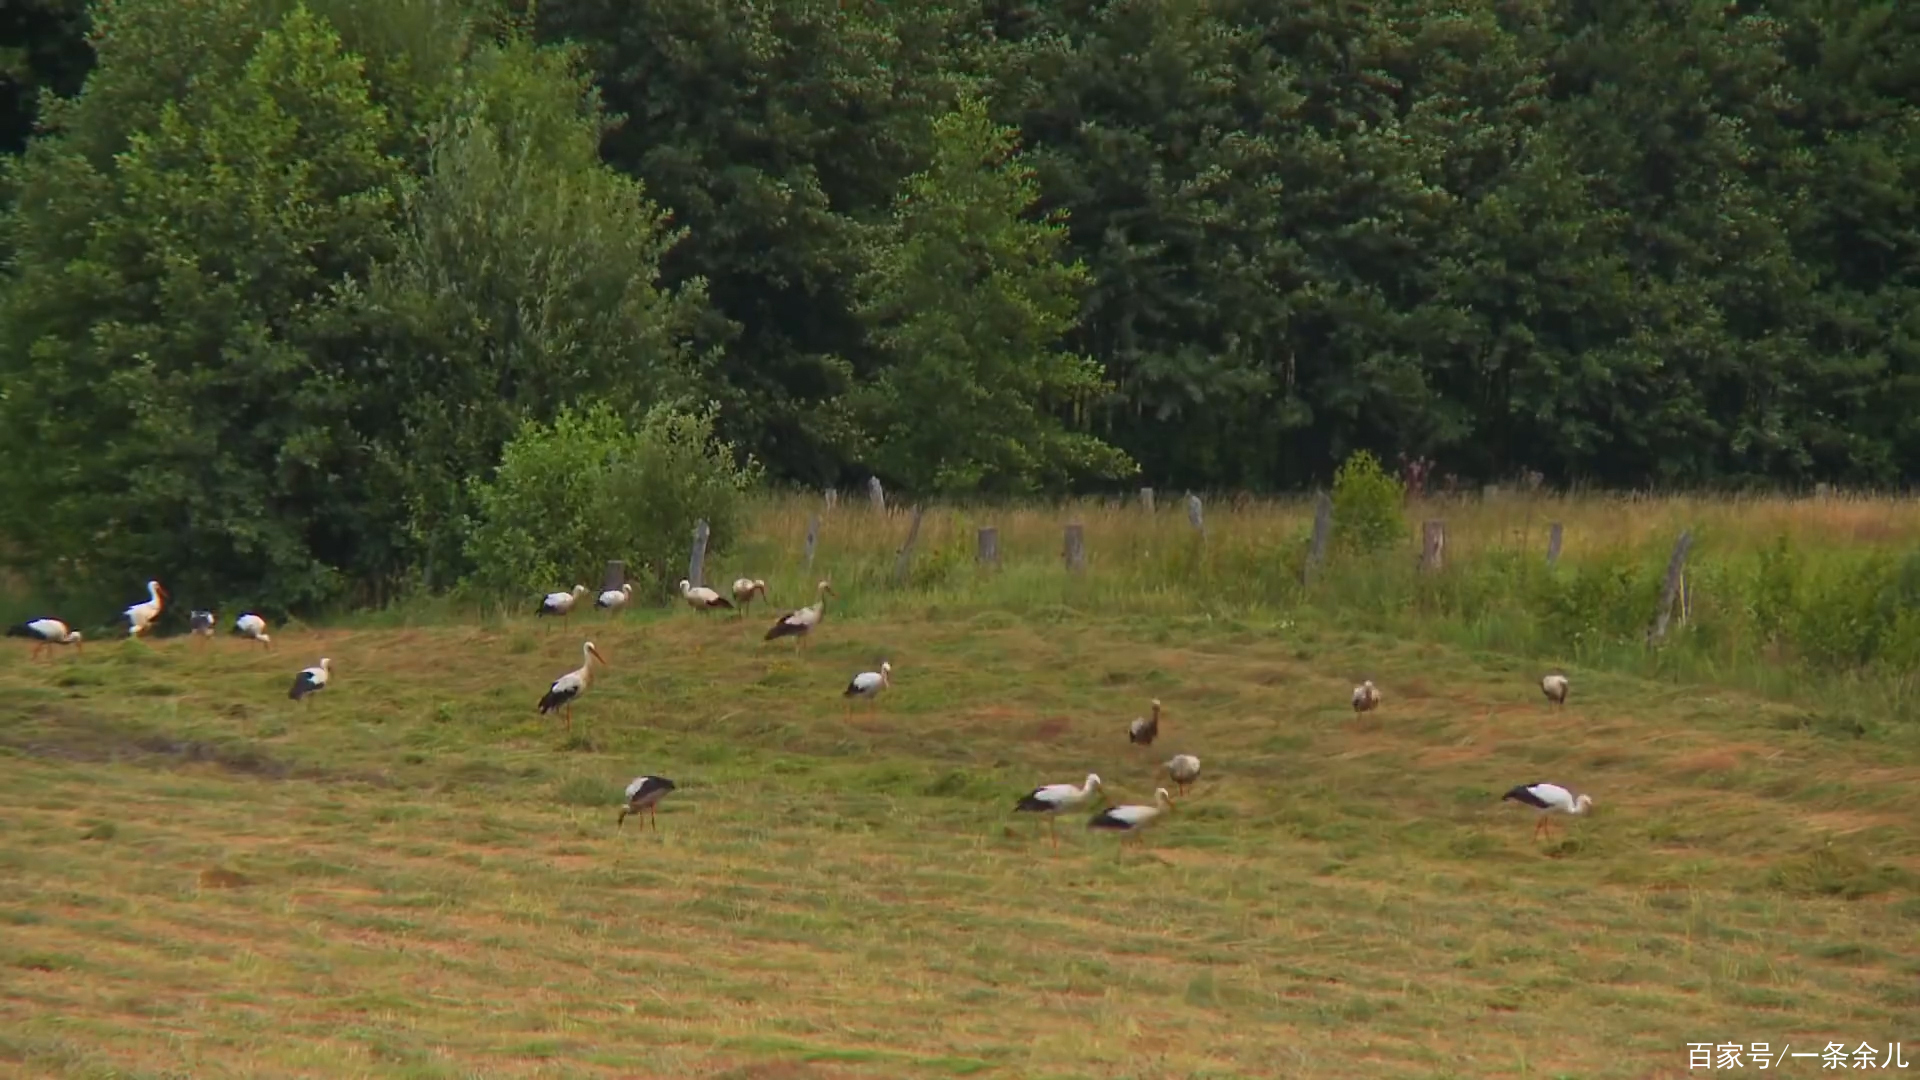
x,y
645,792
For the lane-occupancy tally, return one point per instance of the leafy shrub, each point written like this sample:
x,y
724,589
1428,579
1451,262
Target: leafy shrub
x,y
588,487
1366,505
1773,596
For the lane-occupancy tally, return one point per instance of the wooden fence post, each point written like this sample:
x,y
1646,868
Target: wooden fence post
x,y
1076,549
813,538
1196,516
697,563
905,557
1433,545
1676,572
1554,534
989,546
616,575
1322,530
876,494
833,498
1146,499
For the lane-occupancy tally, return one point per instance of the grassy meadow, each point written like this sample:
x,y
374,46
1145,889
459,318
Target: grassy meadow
x,y
416,876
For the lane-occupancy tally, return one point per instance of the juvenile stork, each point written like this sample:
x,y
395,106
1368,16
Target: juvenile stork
x,y
645,794
745,589
1132,820
44,632
140,617
312,680
1555,687
560,603
571,685
868,684
614,599
1143,731
798,624
1053,799
1549,799
253,626
701,598
201,624
1184,769
1366,697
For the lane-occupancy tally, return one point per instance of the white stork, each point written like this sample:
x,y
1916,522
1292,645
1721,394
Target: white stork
x,y
745,589
559,603
1366,697
1184,769
868,684
1132,820
1555,687
1142,731
614,599
140,617
200,623
44,632
1052,799
253,626
798,624
1548,799
571,685
645,794
701,598
312,680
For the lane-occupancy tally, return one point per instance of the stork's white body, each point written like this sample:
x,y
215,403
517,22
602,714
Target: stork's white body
x,y
1366,697
1054,799
1143,731
571,685
201,623
645,793
614,599
560,603
312,680
45,631
745,589
140,617
701,598
253,626
1548,799
798,624
868,684
1184,769
1132,819
1555,687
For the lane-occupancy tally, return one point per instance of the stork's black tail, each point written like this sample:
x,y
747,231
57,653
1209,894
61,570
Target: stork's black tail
x,y
781,629
20,630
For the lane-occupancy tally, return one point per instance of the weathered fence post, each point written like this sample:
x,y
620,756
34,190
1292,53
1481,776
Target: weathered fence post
x,y
616,575
876,494
1146,499
989,546
697,564
833,498
905,557
1196,516
1433,545
813,538
1322,530
1076,549
1676,572
1554,533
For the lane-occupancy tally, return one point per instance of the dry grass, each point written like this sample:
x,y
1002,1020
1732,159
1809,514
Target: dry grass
x,y
418,877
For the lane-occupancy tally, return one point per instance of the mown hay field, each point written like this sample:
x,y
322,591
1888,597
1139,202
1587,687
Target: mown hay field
x,y
416,876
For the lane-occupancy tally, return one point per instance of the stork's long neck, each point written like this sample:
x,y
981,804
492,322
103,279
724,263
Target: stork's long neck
x,y
153,593
586,665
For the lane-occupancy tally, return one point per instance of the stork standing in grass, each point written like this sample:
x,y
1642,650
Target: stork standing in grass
x,y
44,632
201,624
701,598
1555,686
798,624
253,626
571,685
745,589
1143,731
1184,769
140,617
1366,697
1053,799
614,599
645,793
1132,820
560,603
1549,799
312,680
868,684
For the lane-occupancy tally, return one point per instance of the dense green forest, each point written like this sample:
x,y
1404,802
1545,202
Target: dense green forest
x,y
282,279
